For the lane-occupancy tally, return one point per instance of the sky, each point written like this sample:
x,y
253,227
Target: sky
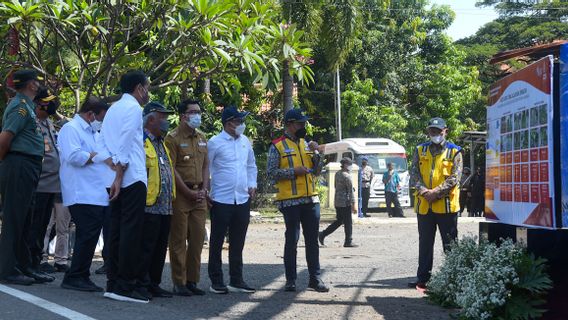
x,y
468,17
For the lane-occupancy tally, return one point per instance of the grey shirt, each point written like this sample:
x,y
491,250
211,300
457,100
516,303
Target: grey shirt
x,y
343,190
49,178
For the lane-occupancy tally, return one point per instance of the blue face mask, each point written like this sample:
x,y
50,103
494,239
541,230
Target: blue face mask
x,y
194,121
164,126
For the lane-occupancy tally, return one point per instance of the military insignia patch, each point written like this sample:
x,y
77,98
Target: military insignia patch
x,y
23,112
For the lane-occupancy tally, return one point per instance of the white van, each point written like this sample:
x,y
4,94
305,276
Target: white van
x,y
379,151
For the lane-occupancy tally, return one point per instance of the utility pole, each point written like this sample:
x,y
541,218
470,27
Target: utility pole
x,y
338,104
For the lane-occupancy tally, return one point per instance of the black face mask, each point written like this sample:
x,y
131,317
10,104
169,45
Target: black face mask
x,y
51,108
300,133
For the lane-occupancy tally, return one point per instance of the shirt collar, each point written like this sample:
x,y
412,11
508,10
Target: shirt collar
x,y
128,96
84,124
225,135
185,130
151,136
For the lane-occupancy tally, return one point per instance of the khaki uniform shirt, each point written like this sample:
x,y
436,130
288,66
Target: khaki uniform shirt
x,y
188,151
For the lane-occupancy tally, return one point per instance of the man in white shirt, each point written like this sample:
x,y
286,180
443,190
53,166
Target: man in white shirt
x,y
123,136
83,192
233,184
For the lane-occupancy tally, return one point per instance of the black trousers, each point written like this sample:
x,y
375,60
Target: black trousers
x,y
427,224
154,248
106,232
43,206
365,195
235,218
88,224
343,217
19,175
126,228
464,202
393,205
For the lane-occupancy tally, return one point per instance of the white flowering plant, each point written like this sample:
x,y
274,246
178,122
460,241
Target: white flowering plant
x,y
490,281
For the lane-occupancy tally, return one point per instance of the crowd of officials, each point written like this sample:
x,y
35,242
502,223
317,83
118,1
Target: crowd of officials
x,y
120,170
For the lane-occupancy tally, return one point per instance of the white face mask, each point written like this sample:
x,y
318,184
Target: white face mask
x,y
240,129
349,168
194,121
96,125
437,139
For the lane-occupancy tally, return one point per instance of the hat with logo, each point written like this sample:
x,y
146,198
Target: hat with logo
x,y
22,76
155,106
295,115
231,112
44,96
438,123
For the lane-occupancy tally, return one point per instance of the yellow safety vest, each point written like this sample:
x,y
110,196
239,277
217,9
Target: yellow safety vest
x,y
295,155
434,171
153,170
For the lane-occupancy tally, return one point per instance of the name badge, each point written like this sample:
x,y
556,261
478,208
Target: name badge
x,y
183,145
288,150
202,144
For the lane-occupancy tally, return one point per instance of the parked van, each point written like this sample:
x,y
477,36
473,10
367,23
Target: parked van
x,y
379,151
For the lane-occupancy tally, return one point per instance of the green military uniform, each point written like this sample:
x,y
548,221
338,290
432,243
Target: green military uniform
x,y
188,151
19,175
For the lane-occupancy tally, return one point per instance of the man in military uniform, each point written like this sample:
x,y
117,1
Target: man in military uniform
x,y
436,172
188,151
21,152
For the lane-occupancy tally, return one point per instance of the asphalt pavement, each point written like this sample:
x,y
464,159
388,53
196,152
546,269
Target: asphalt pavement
x,y
368,282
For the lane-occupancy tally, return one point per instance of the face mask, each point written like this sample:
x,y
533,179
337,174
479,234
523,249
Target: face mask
x,y
164,126
349,168
300,133
240,129
96,125
51,108
194,121
437,139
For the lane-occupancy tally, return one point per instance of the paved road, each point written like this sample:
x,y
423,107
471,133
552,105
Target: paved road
x,y
368,282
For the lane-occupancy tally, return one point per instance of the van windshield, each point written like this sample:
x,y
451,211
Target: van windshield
x,y
379,162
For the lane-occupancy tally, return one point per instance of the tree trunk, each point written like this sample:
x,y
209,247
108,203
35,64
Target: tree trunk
x,y
287,87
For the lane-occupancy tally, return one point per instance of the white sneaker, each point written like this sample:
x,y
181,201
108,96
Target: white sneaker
x,y
130,297
243,287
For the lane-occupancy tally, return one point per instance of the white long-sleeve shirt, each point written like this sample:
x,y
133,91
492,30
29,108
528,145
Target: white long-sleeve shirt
x,y
123,137
233,168
81,182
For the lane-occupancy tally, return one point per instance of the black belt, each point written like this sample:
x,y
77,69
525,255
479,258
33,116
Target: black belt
x,y
194,186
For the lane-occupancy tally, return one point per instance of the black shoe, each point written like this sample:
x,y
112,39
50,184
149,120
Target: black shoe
x,y
80,284
219,289
99,289
158,292
142,291
180,290
290,286
38,276
59,267
127,296
191,286
317,285
241,287
102,269
46,268
350,245
321,238
18,279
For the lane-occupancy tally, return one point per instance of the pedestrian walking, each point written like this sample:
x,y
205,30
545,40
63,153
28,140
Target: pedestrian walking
x,y
344,204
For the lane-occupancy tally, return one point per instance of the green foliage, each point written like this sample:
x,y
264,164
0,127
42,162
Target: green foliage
x,y
490,281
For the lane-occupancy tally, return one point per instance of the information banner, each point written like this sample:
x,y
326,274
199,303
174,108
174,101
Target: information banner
x,y
519,186
564,131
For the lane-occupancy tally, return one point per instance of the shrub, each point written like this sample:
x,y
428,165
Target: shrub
x,y
490,281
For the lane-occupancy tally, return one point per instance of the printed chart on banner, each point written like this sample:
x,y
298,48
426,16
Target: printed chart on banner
x,y
519,148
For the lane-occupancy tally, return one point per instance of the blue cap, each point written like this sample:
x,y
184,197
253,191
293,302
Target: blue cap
x,y
295,115
364,158
155,106
230,113
437,123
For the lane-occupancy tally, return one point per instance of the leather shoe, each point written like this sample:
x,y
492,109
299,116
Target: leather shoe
x,y
350,245
318,285
59,267
191,286
18,279
38,276
46,268
158,292
290,286
181,290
